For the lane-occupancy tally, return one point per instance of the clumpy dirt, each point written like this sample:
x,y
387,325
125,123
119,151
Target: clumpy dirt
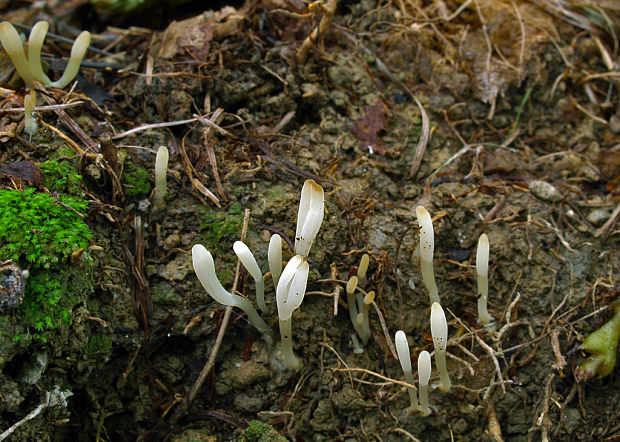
x,y
523,135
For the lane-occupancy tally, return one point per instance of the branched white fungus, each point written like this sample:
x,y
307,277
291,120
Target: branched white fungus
x,y
482,269
424,375
439,330
30,68
249,262
427,246
204,267
274,256
161,186
309,217
402,349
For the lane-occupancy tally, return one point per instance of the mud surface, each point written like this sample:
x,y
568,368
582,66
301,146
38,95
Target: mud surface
x,y
520,113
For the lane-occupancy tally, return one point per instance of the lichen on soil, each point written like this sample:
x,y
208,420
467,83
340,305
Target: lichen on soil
x,y
519,107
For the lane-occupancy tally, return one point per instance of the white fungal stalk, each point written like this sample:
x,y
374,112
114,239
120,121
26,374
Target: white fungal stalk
x,y
161,186
402,349
291,286
274,256
362,269
30,122
424,375
12,44
289,296
427,246
363,323
249,262
352,302
439,330
309,217
35,42
204,267
482,269
78,50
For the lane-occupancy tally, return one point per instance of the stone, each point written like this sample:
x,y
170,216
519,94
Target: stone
x,y
12,284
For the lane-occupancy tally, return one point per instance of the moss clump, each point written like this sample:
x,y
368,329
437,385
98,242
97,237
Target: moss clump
x,y
259,431
41,231
136,181
219,227
61,177
98,347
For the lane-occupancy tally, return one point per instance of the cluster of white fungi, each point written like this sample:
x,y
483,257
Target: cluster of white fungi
x,y
439,325
290,284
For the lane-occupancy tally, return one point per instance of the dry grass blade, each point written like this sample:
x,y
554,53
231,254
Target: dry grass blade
x,y
424,137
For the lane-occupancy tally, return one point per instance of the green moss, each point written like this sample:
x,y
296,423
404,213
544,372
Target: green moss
x,y
259,431
40,231
136,180
219,227
61,177
98,347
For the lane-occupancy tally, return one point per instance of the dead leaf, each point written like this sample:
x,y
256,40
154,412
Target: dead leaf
x,y
366,128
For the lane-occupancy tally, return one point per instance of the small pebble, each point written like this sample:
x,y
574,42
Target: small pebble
x,y
172,241
598,216
545,191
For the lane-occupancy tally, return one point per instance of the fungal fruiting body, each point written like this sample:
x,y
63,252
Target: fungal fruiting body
x,y
78,50
427,247
309,217
439,330
424,375
13,46
402,349
274,257
29,68
291,286
289,296
204,268
249,262
30,123
362,269
35,42
363,322
352,301
161,186
482,270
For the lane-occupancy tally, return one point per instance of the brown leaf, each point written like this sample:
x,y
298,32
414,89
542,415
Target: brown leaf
x,y
366,128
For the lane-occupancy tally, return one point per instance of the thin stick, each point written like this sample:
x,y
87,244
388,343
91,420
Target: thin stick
x,y
385,330
424,136
495,361
18,110
69,141
372,373
220,334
